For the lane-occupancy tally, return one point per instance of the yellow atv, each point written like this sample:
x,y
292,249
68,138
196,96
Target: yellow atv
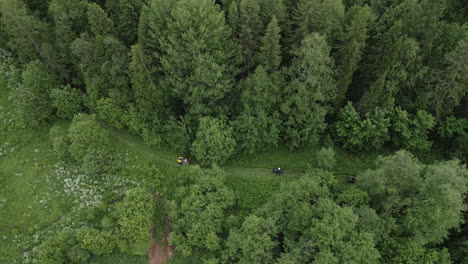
x,y
183,161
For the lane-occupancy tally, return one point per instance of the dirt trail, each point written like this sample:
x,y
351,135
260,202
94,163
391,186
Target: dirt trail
x,y
160,251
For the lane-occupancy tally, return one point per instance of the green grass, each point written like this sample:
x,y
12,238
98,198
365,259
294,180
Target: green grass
x,y
298,161
22,177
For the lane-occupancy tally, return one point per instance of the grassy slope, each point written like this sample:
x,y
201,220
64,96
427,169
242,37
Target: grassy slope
x,y
22,182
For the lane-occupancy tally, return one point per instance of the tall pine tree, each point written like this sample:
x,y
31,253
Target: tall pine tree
x,y
311,89
270,50
250,28
351,50
198,57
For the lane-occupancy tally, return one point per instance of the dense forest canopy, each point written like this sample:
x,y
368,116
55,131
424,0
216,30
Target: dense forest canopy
x,y
226,79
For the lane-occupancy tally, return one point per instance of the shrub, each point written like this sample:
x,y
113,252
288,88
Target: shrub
x,y
135,216
98,242
86,135
178,135
67,101
107,110
214,142
326,158
60,142
146,127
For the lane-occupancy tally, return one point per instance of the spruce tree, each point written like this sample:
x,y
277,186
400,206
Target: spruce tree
x,y
26,33
323,16
198,57
233,18
311,88
250,28
397,66
68,16
351,51
451,85
270,49
271,8
129,15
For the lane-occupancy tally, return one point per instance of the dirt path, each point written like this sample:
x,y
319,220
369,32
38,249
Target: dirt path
x,y
160,251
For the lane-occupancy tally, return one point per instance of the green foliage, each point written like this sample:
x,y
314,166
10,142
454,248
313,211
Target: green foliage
x,y
412,134
311,87
99,21
86,135
249,31
214,142
108,110
314,227
60,142
198,210
128,18
351,50
324,16
252,243
198,57
178,135
357,133
62,248
254,132
148,96
68,101
326,158
134,219
97,242
452,126
452,84
32,96
26,33
139,123
270,50
425,202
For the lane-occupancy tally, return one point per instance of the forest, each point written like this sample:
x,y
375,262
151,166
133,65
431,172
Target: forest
x,y
363,104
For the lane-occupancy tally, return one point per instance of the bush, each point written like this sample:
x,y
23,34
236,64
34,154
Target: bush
x,y
87,135
146,127
135,216
98,242
107,110
214,142
326,158
60,142
67,101
178,135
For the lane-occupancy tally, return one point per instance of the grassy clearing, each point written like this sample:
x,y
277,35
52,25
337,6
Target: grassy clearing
x,y
22,175
26,200
299,161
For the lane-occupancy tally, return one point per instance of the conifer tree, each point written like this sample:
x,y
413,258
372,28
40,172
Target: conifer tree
x,y
26,32
198,57
452,84
250,28
311,88
270,50
129,15
323,16
68,16
233,18
271,8
351,51
397,66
